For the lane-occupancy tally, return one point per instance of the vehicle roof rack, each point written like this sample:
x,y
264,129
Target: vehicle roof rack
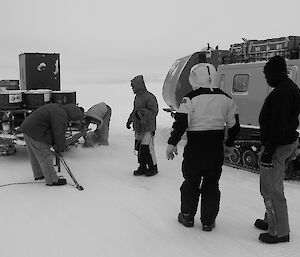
x,y
261,50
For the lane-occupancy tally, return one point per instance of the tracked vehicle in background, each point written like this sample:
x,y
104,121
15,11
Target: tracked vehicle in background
x,y
240,75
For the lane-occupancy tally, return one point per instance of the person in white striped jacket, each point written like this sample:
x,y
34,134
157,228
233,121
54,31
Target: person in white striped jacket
x,y
203,114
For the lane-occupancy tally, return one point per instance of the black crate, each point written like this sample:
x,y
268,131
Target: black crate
x,y
39,71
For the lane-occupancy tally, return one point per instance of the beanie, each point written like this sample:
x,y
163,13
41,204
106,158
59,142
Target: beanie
x,y
276,64
202,75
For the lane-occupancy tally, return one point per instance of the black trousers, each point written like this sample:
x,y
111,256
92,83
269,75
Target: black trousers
x,y
144,145
201,168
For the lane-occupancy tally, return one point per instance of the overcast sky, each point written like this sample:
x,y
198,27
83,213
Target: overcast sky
x,y
136,36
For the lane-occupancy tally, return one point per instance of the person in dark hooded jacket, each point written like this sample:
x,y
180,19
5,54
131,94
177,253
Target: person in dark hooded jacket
x,y
45,128
278,121
143,118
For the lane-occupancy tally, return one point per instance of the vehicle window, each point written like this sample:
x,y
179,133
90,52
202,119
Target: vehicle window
x,y
240,83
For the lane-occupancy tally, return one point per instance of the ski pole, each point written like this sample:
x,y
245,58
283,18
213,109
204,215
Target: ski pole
x,y
57,163
79,187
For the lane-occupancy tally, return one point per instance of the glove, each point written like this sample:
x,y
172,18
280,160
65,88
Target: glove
x,y
128,125
171,152
266,160
56,150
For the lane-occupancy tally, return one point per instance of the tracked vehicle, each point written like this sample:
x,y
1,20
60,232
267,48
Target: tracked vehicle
x,y
240,75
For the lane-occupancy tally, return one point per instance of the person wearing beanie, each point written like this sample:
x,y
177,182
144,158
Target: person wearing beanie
x,y
202,114
143,118
278,120
100,115
43,129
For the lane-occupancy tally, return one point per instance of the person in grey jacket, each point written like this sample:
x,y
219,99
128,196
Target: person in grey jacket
x,y
100,115
143,118
43,129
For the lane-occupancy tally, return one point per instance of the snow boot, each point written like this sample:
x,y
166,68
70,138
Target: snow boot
x,y
39,178
261,224
141,160
152,168
208,228
141,170
151,171
269,239
59,182
186,219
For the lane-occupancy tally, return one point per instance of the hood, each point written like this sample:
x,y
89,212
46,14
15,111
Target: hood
x,y
138,84
74,112
275,70
203,75
96,113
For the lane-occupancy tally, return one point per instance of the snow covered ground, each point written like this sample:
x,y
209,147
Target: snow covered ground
x,y
119,215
